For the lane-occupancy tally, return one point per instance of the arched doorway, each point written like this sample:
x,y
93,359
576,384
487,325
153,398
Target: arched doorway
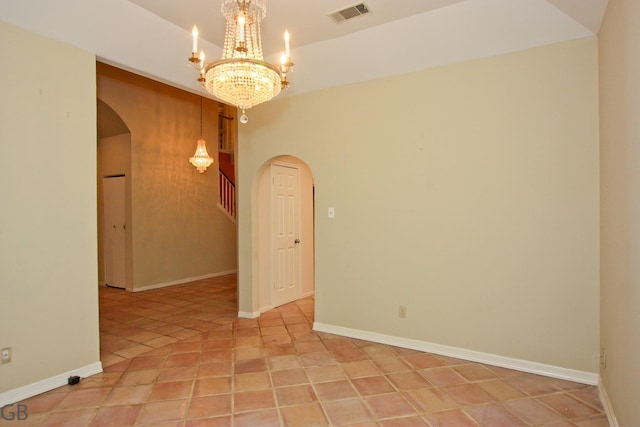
x,y
115,251
276,268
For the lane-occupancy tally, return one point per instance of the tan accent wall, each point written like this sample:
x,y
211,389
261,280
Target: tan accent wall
x,y
620,209
48,236
178,231
467,193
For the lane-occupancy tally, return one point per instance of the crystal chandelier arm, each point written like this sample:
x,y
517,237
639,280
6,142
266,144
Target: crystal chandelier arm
x,y
242,77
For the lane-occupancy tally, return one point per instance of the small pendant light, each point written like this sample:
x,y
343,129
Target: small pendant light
x,y
201,159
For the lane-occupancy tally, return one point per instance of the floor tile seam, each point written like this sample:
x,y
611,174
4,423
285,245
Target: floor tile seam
x,y
275,398
362,397
49,414
189,400
451,397
498,404
564,417
513,412
473,420
600,409
325,412
142,409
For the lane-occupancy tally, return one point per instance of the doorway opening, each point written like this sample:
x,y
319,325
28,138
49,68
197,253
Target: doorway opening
x,y
285,233
115,250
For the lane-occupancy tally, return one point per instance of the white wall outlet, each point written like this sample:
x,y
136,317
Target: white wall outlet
x,y
402,312
332,213
5,355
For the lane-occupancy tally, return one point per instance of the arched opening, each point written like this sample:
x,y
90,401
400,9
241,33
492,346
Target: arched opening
x,y
115,248
285,263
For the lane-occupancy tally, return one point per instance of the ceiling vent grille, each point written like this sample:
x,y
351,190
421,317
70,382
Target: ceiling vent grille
x,y
350,12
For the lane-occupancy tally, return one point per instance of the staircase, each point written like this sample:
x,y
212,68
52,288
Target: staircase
x,y
227,200
227,133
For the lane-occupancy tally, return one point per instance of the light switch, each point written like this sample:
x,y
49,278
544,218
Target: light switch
x,y
332,213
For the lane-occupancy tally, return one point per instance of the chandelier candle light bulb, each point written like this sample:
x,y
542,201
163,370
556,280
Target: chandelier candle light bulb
x,y
200,66
194,33
287,47
242,77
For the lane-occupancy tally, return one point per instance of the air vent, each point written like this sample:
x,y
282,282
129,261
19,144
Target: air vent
x,y
350,12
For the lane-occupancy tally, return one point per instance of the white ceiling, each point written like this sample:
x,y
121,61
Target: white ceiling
x,y
306,20
153,37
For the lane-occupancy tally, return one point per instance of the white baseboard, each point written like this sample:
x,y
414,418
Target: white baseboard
x,y
608,408
30,390
183,281
248,314
461,353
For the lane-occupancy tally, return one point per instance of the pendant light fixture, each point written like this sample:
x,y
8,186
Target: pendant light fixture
x,y
201,159
242,77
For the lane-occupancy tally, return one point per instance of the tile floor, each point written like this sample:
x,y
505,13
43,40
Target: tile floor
x,y
179,356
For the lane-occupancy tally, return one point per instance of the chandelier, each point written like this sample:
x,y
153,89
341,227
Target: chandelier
x,y
201,159
242,78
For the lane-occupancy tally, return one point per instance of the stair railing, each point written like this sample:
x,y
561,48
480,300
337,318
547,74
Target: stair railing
x,y
227,195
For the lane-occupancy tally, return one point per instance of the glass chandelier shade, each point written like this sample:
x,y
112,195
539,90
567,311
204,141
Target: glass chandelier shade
x,y
241,77
242,82
201,159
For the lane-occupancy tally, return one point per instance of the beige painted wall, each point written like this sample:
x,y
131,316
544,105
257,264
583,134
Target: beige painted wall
x,y
179,232
48,236
620,210
468,193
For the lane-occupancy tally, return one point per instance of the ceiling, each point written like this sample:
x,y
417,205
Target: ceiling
x,y
307,20
153,37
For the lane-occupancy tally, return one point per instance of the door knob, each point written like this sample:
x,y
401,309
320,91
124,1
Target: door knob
x,y
297,241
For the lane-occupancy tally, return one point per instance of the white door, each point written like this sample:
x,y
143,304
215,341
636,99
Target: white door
x,y
115,230
285,229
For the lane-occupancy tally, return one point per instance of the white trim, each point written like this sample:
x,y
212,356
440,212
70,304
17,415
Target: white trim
x,y
265,309
248,314
308,294
461,353
606,402
183,281
24,392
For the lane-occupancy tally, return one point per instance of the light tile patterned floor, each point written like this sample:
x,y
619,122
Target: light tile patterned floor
x,y
179,356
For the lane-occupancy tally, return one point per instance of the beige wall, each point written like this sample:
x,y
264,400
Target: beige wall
x,y
48,236
178,230
467,193
620,189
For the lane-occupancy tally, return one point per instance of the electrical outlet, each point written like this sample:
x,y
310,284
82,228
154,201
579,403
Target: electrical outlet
x,y
402,312
5,355
603,359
